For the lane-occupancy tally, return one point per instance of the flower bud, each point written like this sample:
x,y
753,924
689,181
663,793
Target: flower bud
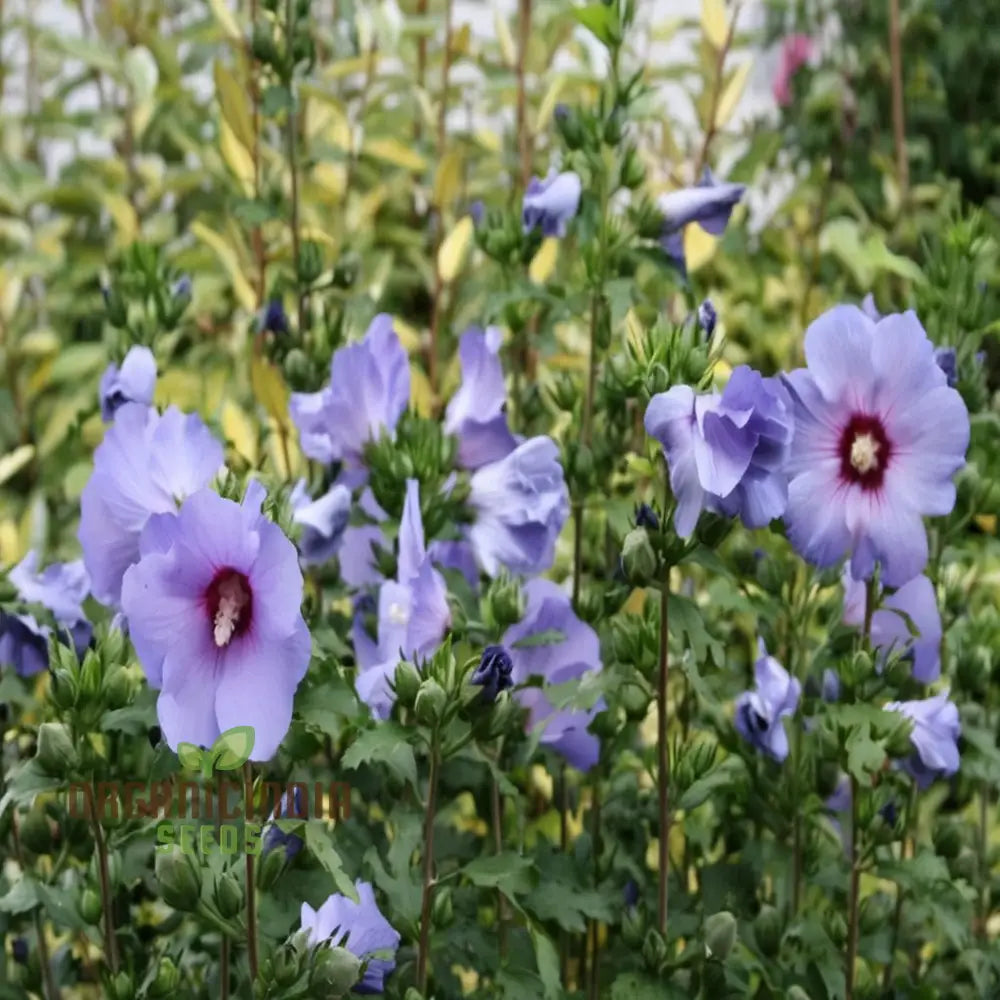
x,y
635,701
654,949
633,927
36,831
63,687
569,125
91,675
297,368
503,604
180,880
720,935
638,558
56,754
122,987
767,931
286,965
228,896
707,317
334,972
167,979
90,907
310,265
407,683
430,702
262,44
564,391
493,674
797,993
632,173
118,689
898,743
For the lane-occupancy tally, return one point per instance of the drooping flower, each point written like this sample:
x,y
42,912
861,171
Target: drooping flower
x,y
361,929
273,318
726,452
134,382
707,318
61,588
323,521
551,203
890,629
413,613
936,730
368,391
477,413
759,713
494,672
796,51
521,504
575,652
146,463
214,613
878,437
646,517
710,203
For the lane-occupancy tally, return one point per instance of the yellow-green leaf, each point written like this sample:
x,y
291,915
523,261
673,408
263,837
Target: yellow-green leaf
x,y
395,152
448,178
421,393
237,157
231,750
505,39
229,260
544,261
124,216
732,94
454,249
713,22
549,101
226,20
269,389
699,247
233,102
239,431
14,461
190,756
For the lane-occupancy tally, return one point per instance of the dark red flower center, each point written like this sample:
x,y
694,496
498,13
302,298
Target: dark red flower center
x,y
865,451
229,603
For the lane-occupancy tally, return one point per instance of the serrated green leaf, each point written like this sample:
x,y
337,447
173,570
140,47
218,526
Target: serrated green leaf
x,y
319,841
386,744
511,873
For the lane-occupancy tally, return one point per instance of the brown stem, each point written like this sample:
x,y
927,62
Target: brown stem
x,y
256,235
442,135
423,950
853,901
251,884
293,168
523,133
110,942
898,118
720,64
663,753
51,989
498,847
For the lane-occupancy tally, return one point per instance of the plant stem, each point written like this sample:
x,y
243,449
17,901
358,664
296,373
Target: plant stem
x,y
110,943
663,753
853,901
251,884
564,943
51,989
256,236
592,925
423,950
523,135
982,861
442,134
898,119
498,847
897,917
293,169
710,124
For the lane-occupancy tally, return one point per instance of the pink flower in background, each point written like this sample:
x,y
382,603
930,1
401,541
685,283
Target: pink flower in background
x,y
796,51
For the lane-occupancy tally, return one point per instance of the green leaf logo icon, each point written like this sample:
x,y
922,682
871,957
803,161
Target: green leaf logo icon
x,y
190,756
231,750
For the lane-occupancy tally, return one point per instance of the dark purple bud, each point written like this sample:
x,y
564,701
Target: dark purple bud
x,y
889,813
645,517
477,210
831,685
19,949
274,318
947,361
561,112
288,808
631,893
707,317
493,674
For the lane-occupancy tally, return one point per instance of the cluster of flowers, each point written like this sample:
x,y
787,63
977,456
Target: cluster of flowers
x,y
851,451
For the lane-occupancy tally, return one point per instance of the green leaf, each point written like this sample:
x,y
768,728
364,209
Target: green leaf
x,y
632,986
730,772
190,756
26,782
385,744
601,20
22,897
509,872
686,618
548,963
320,844
865,756
233,748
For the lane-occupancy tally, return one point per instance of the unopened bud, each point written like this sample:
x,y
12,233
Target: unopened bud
x,y
638,558
56,754
334,972
430,702
180,881
720,935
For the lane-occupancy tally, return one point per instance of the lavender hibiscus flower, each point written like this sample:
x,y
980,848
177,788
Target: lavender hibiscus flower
x,y
369,390
413,613
551,203
710,203
323,521
726,452
759,713
890,630
134,382
935,734
146,463
879,435
521,504
61,588
477,413
214,613
361,929
577,652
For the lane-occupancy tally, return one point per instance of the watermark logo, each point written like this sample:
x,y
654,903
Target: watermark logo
x,y
197,815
